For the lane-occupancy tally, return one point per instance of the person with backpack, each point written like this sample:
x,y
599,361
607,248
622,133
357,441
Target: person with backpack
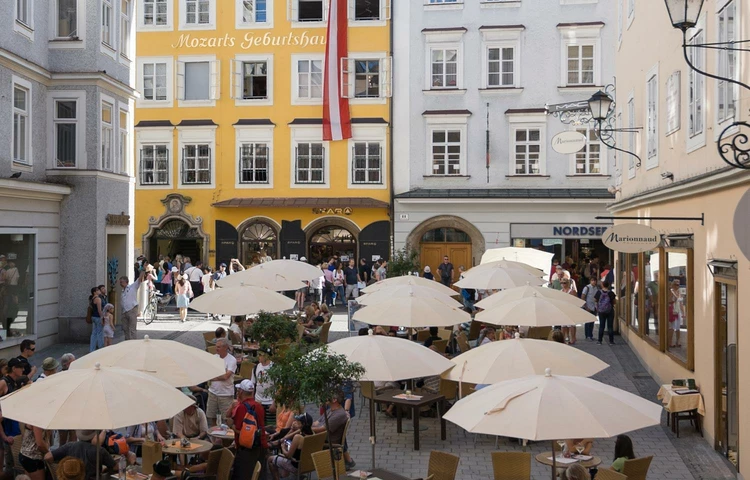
x,y
605,307
248,423
287,462
589,295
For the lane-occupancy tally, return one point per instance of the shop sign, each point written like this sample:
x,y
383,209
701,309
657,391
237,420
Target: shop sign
x,y
568,142
121,220
332,211
571,231
251,40
631,238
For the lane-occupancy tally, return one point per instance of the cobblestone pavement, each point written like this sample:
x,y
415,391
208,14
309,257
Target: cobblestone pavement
x,y
674,459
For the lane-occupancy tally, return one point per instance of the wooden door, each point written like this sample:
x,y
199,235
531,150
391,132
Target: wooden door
x,y
432,254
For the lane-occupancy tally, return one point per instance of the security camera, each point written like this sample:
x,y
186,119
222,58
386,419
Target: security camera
x,y
667,175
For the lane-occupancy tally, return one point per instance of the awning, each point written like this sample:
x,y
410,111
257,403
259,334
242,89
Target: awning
x,y
304,202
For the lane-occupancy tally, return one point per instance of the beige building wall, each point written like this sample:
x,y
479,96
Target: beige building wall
x,y
702,184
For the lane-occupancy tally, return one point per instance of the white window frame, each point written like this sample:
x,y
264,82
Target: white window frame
x,y
368,134
349,77
501,38
203,135
19,26
124,140
155,136
67,42
444,40
292,14
526,122
106,99
53,96
126,42
499,3
108,46
694,141
620,22
673,101
239,9
236,80
618,156
631,12
29,113
309,134
578,2
443,4
581,36
385,15
652,117
245,134
211,25
632,137
723,88
447,122
603,154
296,100
214,80
144,27
142,101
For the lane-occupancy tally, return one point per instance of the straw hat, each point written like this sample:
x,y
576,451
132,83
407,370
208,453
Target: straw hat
x,y
71,468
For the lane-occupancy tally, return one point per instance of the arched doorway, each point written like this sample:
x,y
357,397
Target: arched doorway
x,y
329,241
442,242
176,237
258,240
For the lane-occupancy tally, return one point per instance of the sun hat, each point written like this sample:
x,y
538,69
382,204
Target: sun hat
x,y
427,269
85,435
50,363
71,468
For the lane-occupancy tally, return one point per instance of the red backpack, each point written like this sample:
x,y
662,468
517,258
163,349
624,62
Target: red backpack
x,y
249,432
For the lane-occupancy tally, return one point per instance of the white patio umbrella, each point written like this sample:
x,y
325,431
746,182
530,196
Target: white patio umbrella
x,y
530,256
535,311
172,362
278,275
498,276
411,312
530,408
244,300
402,291
387,359
497,362
407,280
518,293
509,264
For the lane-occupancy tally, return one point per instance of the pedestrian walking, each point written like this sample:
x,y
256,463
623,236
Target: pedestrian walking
x,y
129,300
446,272
589,295
97,319
194,276
605,306
184,292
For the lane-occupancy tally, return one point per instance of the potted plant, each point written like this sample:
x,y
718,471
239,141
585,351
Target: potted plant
x,y
404,262
270,329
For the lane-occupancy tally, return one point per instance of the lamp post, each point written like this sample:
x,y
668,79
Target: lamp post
x,y
601,106
684,15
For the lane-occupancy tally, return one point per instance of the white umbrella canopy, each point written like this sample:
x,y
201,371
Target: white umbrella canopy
x,y
409,280
172,362
245,300
530,256
388,359
535,311
497,362
509,264
100,398
498,276
518,293
402,291
531,408
278,275
411,312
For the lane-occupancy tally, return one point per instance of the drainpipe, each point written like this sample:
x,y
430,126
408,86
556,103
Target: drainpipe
x,y
391,206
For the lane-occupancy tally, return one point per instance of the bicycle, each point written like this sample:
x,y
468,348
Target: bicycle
x,y
152,309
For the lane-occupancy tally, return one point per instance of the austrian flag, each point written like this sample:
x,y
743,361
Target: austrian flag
x,y
337,123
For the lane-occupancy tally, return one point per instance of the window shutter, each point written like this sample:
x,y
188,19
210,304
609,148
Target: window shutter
x,y
296,164
237,74
347,78
168,165
215,74
292,10
210,161
240,164
354,163
140,167
380,164
386,77
180,80
385,9
184,166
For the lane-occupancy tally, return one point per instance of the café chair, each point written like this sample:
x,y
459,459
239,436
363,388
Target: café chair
x,y
211,349
323,339
607,474
637,469
207,337
423,335
310,445
463,342
323,468
150,454
246,369
440,346
226,461
443,466
511,465
256,471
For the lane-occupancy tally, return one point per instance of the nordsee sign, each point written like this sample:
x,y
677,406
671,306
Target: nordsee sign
x,y
631,238
582,231
568,142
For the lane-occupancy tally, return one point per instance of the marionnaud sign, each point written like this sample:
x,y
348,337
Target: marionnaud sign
x,y
568,142
631,238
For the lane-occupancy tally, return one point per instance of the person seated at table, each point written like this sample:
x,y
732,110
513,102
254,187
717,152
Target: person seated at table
x,y
557,336
575,472
287,462
432,338
162,470
378,330
337,418
284,422
236,330
135,435
86,448
570,445
623,451
313,336
71,468
509,332
326,313
310,314
191,422
486,336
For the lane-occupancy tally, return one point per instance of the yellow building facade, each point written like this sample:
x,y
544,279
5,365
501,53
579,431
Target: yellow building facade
x,y
230,160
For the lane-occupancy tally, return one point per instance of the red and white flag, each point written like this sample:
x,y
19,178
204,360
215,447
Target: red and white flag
x,y
337,124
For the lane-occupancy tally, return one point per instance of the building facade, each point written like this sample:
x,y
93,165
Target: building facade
x,y
474,166
66,188
231,161
679,303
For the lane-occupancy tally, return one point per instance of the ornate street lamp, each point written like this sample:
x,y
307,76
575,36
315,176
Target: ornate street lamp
x,y
684,15
601,108
600,103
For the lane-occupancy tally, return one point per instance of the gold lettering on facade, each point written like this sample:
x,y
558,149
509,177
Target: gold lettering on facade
x,y
333,211
251,40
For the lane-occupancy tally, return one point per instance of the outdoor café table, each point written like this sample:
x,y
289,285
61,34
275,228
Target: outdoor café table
x,y
676,403
545,459
386,475
426,399
173,447
226,437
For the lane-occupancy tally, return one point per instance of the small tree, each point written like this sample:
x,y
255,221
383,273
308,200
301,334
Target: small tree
x,y
311,375
271,328
404,262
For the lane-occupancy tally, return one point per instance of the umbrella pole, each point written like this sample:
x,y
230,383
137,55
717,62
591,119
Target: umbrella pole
x,y
554,462
98,455
372,430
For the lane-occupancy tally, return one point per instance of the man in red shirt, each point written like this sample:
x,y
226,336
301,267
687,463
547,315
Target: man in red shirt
x,y
244,461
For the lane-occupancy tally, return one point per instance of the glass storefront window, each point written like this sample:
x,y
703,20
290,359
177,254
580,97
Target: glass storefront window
x,y
628,287
17,254
259,242
678,303
650,292
620,287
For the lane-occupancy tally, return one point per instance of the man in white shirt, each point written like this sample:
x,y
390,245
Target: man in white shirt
x,y
49,368
191,422
221,391
129,299
195,274
264,385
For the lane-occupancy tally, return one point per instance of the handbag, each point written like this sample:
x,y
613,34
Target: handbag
x,y
361,285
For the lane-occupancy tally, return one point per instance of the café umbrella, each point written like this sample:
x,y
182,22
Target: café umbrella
x,y
530,407
535,311
242,300
525,291
530,256
410,280
411,311
401,291
498,276
173,362
277,275
508,264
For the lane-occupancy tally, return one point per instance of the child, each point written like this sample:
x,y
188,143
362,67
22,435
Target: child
x,y
109,327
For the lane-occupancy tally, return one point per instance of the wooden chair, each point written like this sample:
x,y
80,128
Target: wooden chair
x,y
440,346
423,335
207,337
52,469
150,454
211,349
445,334
467,389
246,369
323,338
463,342
511,465
311,444
367,390
256,471
607,474
225,465
637,469
448,389
300,332
474,330
539,333
442,465
235,338
323,468
212,464
16,449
